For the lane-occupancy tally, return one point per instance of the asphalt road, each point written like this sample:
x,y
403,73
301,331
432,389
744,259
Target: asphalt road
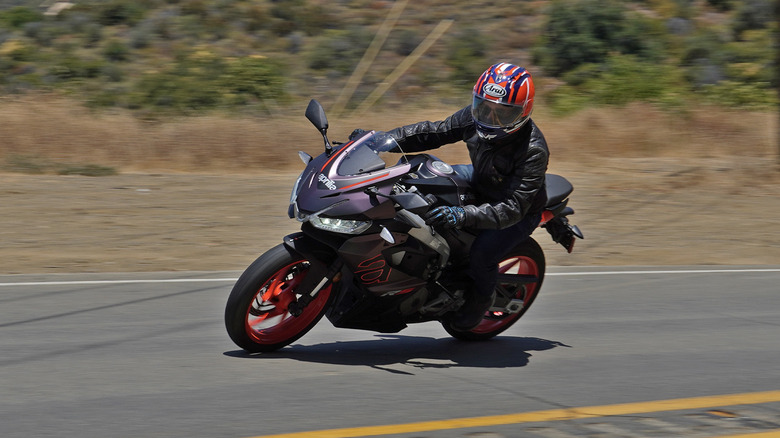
x,y
603,352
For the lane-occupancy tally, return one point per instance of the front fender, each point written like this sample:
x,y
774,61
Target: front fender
x,y
323,266
314,251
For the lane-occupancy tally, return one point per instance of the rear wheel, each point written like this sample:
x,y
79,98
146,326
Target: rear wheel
x,y
522,272
257,315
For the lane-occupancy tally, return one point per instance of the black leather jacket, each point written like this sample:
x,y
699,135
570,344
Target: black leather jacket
x,y
508,174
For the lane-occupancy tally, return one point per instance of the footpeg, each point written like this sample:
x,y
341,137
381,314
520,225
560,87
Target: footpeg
x,y
514,306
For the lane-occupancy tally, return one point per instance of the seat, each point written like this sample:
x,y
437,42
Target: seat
x,y
558,189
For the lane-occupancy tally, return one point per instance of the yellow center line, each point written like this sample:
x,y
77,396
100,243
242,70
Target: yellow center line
x,y
768,434
551,415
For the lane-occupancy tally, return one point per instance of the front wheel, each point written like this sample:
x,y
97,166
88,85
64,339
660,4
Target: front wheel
x,y
522,272
257,316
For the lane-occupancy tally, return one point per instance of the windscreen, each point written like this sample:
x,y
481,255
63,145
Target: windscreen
x,y
366,157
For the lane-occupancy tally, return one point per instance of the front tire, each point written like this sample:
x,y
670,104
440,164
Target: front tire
x,y
527,259
257,316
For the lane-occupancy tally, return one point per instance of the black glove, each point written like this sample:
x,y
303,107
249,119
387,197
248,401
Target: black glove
x,y
357,133
446,217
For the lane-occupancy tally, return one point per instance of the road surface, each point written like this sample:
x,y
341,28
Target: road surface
x,y
644,351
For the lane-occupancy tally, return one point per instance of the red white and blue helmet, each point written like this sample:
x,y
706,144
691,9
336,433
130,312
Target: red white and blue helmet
x,y
503,100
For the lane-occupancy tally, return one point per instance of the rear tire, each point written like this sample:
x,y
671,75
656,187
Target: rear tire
x,y
525,259
256,315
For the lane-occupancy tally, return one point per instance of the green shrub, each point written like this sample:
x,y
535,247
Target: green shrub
x,y
752,14
21,52
299,15
112,72
567,100
42,33
141,37
18,16
702,57
626,78
71,67
720,5
752,59
93,34
255,18
619,80
405,41
203,81
732,94
339,51
116,50
106,98
85,170
26,164
705,44
116,12
74,21
198,8
586,31
258,78
286,15
466,57
287,10
314,19
168,90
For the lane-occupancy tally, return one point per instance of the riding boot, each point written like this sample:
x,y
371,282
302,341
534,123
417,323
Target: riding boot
x,y
473,310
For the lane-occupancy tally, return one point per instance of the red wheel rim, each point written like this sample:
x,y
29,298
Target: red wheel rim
x,y
268,320
519,265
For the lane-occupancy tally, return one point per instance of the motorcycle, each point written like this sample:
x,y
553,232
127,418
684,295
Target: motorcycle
x,y
367,260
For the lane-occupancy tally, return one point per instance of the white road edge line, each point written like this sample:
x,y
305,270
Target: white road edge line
x,y
93,282
226,280
682,271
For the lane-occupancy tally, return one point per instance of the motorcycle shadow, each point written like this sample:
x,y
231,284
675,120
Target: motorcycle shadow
x,y
414,351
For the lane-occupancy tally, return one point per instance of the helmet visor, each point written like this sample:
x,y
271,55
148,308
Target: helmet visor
x,y
494,114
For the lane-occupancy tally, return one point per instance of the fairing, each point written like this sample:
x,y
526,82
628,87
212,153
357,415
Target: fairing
x,y
335,185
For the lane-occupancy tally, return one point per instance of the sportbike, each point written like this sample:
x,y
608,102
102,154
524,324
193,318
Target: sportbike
x,y
366,259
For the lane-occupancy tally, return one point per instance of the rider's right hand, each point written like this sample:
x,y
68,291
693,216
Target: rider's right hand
x,y
446,217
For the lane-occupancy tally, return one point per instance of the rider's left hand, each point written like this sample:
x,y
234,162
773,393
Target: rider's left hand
x,y
446,217
357,133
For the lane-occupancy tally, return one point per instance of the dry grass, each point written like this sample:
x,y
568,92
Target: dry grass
x,y
651,188
639,130
54,129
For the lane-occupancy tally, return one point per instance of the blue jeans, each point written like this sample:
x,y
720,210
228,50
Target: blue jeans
x,y
491,246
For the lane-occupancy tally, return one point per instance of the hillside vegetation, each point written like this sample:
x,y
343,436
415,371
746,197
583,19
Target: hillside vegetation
x,y
185,56
131,64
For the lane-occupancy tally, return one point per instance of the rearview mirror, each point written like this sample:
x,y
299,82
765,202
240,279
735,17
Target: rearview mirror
x,y
316,115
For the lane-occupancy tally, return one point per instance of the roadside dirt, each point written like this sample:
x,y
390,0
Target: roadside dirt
x,y
632,212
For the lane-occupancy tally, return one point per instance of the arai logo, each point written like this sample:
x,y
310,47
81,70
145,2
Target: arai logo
x,y
494,90
327,181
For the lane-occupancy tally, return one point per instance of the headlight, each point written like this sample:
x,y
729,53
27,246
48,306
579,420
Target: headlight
x,y
345,226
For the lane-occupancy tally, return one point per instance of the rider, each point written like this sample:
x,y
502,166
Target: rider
x,y
508,163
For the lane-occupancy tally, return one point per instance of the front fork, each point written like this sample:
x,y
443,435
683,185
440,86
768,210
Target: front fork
x,y
320,272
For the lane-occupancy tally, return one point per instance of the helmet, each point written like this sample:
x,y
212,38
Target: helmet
x,y
503,100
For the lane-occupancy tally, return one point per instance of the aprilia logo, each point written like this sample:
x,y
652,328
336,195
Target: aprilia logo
x,y
327,181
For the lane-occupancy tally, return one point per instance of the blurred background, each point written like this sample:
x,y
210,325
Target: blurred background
x,y
663,113
192,84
